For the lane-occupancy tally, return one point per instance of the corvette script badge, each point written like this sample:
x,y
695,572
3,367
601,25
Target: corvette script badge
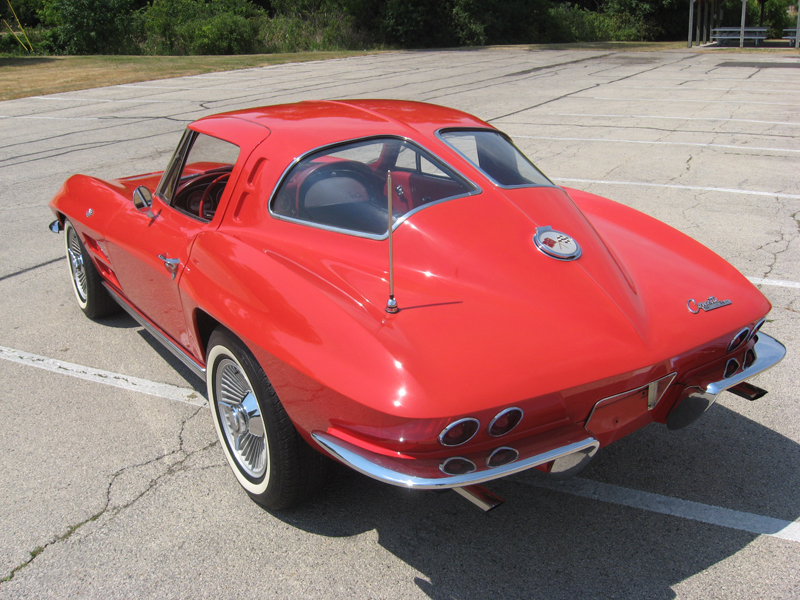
x,y
556,244
710,304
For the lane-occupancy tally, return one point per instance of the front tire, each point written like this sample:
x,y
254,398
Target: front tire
x,y
87,284
269,458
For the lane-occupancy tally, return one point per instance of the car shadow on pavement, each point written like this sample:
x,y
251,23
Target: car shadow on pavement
x,y
124,321
544,543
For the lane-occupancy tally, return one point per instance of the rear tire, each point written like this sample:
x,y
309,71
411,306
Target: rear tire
x,y
87,284
269,458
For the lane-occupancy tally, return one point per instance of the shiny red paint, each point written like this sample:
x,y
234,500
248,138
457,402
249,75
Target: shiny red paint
x,y
487,321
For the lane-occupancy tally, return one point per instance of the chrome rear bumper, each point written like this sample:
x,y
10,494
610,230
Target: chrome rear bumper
x,y
695,400
570,447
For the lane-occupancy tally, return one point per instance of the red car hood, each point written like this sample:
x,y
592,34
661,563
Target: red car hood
x,y
484,312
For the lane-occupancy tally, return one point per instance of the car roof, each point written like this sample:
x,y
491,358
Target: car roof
x,y
323,122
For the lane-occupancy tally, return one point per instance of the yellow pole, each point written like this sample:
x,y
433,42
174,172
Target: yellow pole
x,y
16,37
20,25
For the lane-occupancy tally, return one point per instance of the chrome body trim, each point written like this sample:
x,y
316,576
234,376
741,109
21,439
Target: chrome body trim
x,y
187,360
403,472
696,400
56,226
371,236
769,352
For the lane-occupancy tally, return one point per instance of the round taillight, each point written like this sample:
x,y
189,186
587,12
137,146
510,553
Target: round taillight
x,y
731,368
749,358
459,432
456,465
756,327
505,421
739,339
501,456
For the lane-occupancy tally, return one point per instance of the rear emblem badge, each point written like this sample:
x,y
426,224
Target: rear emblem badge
x,y
556,244
710,304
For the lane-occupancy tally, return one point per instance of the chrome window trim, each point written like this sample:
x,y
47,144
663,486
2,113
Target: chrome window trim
x,y
179,156
458,422
500,414
371,236
439,133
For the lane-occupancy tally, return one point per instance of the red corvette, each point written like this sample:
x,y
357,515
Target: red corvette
x,y
500,323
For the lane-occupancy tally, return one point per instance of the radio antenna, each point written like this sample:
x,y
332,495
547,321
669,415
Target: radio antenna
x,y
391,305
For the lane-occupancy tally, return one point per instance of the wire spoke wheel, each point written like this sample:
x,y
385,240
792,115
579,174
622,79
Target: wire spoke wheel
x,y
241,419
76,266
266,453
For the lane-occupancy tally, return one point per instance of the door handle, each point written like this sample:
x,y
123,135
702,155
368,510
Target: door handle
x,y
171,264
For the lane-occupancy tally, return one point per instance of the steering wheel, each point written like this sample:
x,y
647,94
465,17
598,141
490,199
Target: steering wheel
x,y
352,169
208,191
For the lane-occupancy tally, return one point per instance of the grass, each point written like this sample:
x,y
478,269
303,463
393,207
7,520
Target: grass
x,y
21,77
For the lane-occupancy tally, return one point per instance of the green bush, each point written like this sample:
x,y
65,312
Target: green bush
x,y
91,26
576,24
27,11
224,33
292,33
776,16
198,27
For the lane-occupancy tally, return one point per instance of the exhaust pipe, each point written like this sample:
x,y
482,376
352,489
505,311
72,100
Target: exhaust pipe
x,y
479,496
747,391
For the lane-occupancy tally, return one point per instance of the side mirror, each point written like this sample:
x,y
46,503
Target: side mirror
x,y
142,198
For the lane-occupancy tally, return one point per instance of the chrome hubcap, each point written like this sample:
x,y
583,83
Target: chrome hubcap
x,y
76,264
241,420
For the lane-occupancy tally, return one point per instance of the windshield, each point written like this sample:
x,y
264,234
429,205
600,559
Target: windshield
x,y
496,157
344,187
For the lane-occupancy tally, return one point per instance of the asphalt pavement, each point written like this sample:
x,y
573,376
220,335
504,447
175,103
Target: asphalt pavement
x,y
111,492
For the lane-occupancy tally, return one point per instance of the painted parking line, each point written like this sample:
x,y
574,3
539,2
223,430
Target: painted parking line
x,y
660,117
603,492
56,118
121,100
671,100
654,142
682,187
125,382
675,507
775,282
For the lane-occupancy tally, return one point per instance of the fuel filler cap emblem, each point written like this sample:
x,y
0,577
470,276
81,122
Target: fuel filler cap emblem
x,y
556,244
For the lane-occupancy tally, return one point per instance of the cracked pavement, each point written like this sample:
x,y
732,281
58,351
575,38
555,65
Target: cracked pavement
x,y
115,494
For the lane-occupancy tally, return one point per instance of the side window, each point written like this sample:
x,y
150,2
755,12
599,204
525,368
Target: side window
x,y
195,185
496,157
344,187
